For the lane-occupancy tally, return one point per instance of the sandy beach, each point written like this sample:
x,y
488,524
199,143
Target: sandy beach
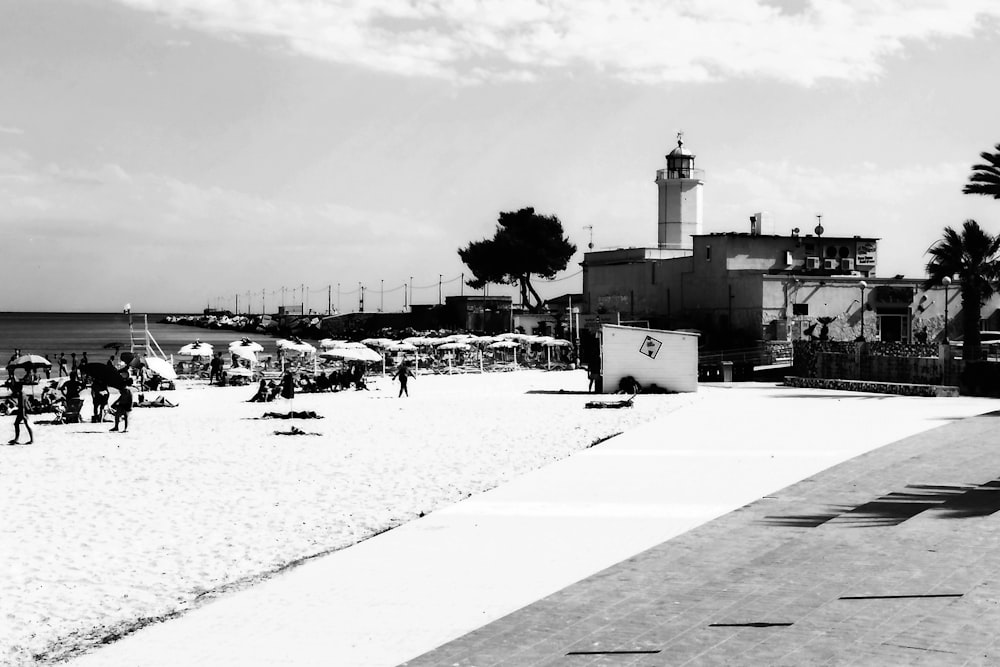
x,y
104,532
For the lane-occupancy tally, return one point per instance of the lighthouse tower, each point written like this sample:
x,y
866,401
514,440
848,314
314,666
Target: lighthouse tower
x,y
680,201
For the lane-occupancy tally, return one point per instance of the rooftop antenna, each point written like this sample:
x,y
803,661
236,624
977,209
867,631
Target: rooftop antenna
x,y
819,224
590,228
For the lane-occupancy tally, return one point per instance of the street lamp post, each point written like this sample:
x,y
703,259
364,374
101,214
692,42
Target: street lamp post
x,y
863,285
946,281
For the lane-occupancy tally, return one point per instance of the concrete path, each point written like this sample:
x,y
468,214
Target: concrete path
x,y
399,595
892,558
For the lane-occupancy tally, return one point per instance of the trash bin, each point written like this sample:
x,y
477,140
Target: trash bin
x,y
727,371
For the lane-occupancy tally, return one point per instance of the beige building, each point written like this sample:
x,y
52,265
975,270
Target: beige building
x,y
755,284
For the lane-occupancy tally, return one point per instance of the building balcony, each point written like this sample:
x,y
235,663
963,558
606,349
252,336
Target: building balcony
x,y
676,174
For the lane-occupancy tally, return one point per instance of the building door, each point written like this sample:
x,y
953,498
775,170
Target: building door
x,y
893,329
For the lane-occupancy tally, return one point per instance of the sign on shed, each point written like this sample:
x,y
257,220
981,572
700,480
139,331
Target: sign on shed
x,y
668,359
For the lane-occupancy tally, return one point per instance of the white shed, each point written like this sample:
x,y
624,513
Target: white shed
x,y
668,359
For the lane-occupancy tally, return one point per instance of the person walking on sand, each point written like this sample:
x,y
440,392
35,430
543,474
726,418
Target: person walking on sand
x,y
123,406
20,415
403,374
62,365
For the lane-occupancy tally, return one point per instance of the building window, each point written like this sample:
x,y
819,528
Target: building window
x,y
708,253
800,309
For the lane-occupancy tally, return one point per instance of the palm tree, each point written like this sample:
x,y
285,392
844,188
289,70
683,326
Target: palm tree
x,y
971,255
985,178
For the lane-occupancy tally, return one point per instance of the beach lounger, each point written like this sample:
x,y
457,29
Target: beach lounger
x,y
71,413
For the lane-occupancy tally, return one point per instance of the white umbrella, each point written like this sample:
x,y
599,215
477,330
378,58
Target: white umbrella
x,y
161,367
245,345
244,352
295,346
482,340
513,336
328,343
401,346
456,345
31,361
558,342
378,342
197,349
420,341
506,344
352,354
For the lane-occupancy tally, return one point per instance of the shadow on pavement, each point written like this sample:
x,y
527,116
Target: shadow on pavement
x,y
946,501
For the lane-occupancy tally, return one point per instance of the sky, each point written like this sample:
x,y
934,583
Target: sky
x,y
180,154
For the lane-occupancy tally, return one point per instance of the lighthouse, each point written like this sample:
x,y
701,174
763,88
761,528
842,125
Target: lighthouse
x,y
680,199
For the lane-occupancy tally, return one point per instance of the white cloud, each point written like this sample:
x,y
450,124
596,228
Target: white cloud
x,y
190,236
642,41
7,129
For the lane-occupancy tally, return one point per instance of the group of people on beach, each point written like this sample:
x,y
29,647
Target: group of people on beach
x,y
64,399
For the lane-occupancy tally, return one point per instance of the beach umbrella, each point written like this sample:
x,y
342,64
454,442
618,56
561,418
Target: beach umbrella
x,y
298,347
245,344
482,340
378,342
327,343
30,362
401,346
362,353
104,374
507,344
196,349
558,342
244,353
161,367
420,341
454,345
513,336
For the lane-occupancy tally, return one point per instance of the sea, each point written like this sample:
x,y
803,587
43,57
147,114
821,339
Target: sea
x,y
97,334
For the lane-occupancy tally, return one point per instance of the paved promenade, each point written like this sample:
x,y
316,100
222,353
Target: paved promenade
x,y
592,560
892,558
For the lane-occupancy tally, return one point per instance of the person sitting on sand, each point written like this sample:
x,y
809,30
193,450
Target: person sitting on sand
x,y
123,406
273,389
262,393
20,414
72,386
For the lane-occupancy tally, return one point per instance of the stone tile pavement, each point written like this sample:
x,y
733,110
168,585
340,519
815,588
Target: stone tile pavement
x,y
890,558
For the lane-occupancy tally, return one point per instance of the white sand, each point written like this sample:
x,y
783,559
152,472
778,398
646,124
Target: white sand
x,y
101,530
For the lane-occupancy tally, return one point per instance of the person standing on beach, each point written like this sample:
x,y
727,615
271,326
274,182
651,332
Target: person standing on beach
x,y
403,374
215,368
72,362
20,415
62,365
288,389
99,397
123,406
